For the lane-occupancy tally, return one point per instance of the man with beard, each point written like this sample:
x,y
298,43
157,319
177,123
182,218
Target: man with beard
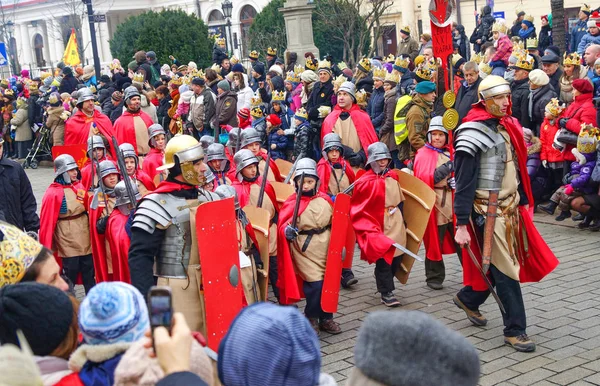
x,y
132,126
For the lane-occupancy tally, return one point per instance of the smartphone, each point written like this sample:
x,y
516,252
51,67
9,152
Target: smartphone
x,y
160,307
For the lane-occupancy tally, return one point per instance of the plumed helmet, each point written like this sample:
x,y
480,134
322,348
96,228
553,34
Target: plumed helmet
x,y
62,164
249,136
436,124
107,167
227,191
492,86
377,151
330,141
84,94
308,167
154,130
242,159
122,198
130,92
128,151
215,151
94,142
206,141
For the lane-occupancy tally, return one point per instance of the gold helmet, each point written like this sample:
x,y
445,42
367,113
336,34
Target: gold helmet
x,y
188,150
491,87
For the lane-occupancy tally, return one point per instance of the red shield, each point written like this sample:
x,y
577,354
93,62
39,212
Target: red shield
x,y
221,280
350,243
79,152
333,269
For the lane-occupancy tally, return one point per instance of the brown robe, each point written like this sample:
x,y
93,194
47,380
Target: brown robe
x,y
393,222
72,232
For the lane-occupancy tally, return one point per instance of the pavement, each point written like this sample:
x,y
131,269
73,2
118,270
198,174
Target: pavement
x,y
562,312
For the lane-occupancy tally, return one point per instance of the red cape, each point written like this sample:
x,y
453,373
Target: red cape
x,y
367,214
169,186
272,166
538,260
230,158
119,242
145,179
125,129
424,167
98,243
243,191
250,232
153,160
290,283
362,122
77,128
324,171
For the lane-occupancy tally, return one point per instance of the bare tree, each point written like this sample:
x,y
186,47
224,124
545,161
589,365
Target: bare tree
x,y
559,29
354,23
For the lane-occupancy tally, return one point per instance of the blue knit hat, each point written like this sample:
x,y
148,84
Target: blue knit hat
x,y
238,68
425,87
113,312
269,345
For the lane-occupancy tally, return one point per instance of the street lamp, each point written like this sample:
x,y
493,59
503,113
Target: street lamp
x,y
227,7
10,28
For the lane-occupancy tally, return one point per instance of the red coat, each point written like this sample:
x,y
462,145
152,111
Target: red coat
x,y
145,179
362,123
582,110
119,242
153,160
547,134
125,129
324,171
77,128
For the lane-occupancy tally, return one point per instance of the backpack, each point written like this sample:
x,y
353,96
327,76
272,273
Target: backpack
x,y
155,75
403,104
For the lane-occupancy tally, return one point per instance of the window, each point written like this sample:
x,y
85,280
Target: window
x,y
38,45
247,15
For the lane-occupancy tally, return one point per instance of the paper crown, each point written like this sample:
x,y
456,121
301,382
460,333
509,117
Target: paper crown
x,y
253,55
405,29
337,82
392,77
44,75
390,58
311,64
53,98
342,66
586,8
402,62
255,100
234,60
4,82
529,18
292,76
425,71
573,59
524,61
588,139
176,80
17,253
216,67
364,65
271,51
485,68
298,69
361,97
455,59
379,73
219,40
256,112
198,74
499,27
301,112
477,58
138,77
554,107
278,96
532,43
325,64
517,46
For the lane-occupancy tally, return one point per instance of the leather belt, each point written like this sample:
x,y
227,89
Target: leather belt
x,y
310,234
72,217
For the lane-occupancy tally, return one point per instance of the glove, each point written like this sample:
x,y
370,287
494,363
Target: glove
x,y
569,190
452,183
101,225
129,223
545,164
563,123
291,233
273,146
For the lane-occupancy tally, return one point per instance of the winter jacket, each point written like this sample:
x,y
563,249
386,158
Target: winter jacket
x,y
56,123
226,110
519,90
18,206
21,121
244,98
408,47
462,42
539,98
286,115
503,50
417,123
144,68
68,84
514,30
218,55
545,38
547,133
210,105
555,80
577,33
35,112
596,172
365,83
386,130
107,107
280,142
407,84
375,107
117,111
533,156
320,96
149,108
487,21
94,365
467,95
260,125
586,41
303,140
581,175
582,110
162,112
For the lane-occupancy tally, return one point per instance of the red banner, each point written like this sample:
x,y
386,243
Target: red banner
x,y
79,152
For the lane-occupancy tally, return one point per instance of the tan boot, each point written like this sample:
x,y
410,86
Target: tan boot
x,y
314,323
330,326
474,316
520,343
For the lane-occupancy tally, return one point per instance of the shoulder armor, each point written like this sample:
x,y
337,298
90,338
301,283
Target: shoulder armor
x,y
472,137
156,209
207,196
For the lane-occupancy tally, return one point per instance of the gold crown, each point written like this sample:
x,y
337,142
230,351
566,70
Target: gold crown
x,y
390,58
298,69
455,59
198,73
485,68
524,61
234,59
477,58
588,139
4,82
425,71
256,112
554,107
532,43
325,64
44,75
278,96
517,46
364,65
337,82
292,76
9,92
219,40
392,77
255,100
17,252
301,112
311,64
529,18
176,80
499,27
52,99
271,51
586,8
342,66
187,79
216,67
138,77
402,62
379,73
253,55
361,97
573,59
405,28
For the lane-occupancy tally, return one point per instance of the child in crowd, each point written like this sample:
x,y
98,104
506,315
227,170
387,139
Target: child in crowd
x,y
552,158
302,145
276,139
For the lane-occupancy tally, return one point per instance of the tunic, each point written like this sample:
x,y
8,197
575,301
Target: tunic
x,y
338,182
72,232
443,195
348,134
393,222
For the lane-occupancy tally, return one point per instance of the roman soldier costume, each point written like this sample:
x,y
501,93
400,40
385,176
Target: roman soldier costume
x,y
142,180
155,156
132,126
251,136
219,164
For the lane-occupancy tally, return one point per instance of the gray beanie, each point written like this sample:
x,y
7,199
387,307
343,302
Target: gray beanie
x,y
224,85
350,88
412,348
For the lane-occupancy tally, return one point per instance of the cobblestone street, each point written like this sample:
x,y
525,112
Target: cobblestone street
x,y
562,312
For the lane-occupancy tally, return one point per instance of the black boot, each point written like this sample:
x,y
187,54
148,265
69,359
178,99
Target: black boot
x,y
273,275
578,217
548,208
595,226
585,223
564,214
348,279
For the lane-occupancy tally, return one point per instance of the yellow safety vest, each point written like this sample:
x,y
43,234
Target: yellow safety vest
x,y
400,130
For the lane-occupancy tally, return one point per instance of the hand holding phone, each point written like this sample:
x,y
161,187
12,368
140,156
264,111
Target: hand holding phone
x,y
160,307
173,352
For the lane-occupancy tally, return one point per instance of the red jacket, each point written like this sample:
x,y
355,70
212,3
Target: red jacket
x,y
582,110
547,134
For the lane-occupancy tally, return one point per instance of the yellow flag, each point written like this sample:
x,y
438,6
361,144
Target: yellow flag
x,y
71,55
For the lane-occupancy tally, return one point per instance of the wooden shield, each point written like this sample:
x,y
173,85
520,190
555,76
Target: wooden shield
x,y
419,200
216,233
259,219
284,167
282,191
333,270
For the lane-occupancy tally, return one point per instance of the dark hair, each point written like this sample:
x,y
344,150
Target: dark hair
x,y
210,74
165,78
34,269
240,76
71,340
163,90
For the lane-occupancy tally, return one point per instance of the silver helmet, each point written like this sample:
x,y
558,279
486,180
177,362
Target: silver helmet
x,y
63,163
206,141
436,124
227,191
242,159
233,136
122,198
332,140
107,167
215,151
94,142
154,130
130,92
84,94
128,151
249,136
306,166
375,152
209,176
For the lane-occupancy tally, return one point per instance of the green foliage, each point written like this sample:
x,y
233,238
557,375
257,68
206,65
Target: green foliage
x,y
169,32
268,30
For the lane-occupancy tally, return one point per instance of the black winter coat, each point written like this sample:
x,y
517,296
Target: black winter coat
x,y
35,111
366,84
540,99
465,98
520,101
18,206
116,112
320,96
68,84
486,24
162,112
545,38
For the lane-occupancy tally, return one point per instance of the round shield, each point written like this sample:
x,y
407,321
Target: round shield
x,y
450,119
449,99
